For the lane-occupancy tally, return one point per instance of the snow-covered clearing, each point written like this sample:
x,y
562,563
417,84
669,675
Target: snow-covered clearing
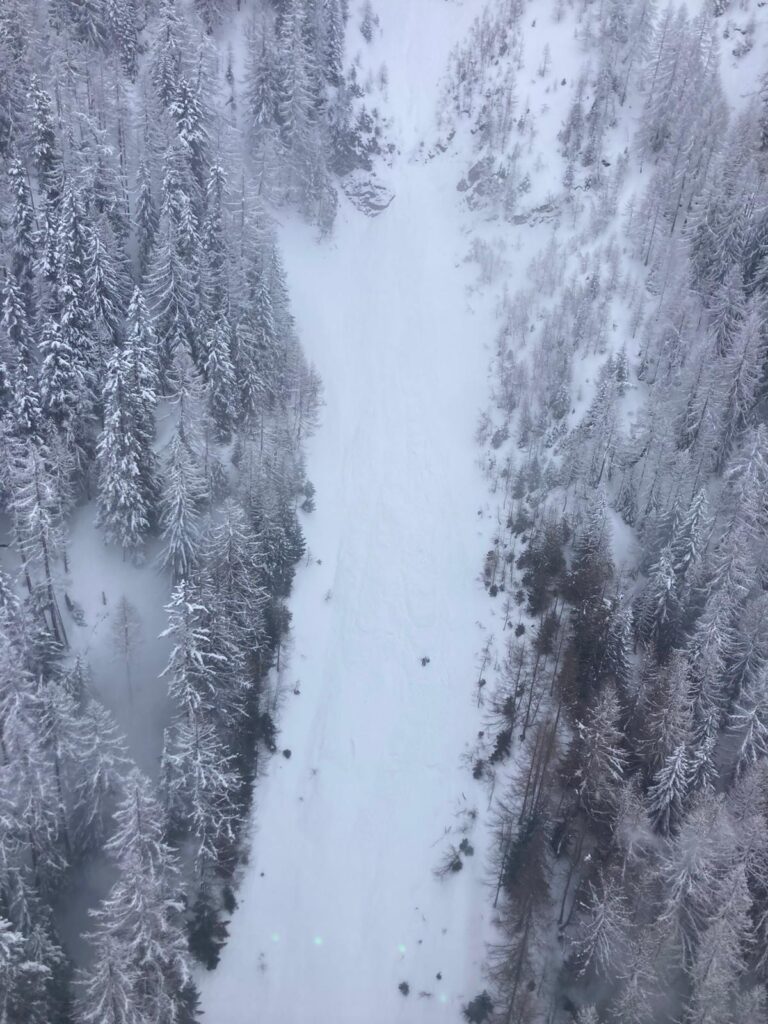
x,y
130,687
340,904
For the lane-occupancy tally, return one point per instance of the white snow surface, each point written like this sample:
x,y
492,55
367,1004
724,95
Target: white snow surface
x,y
339,904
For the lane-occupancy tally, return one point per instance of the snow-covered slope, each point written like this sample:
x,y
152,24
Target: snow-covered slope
x,y
340,903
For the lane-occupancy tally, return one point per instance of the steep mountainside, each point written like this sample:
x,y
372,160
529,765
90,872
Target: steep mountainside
x,y
383,476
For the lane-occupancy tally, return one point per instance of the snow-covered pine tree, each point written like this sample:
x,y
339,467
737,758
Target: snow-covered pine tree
x,y
722,954
191,132
109,987
23,239
172,284
104,765
294,107
122,22
603,939
107,292
139,926
62,381
170,51
15,321
203,683
35,507
146,218
667,794
261,100
333,48
125,512
184,490
200,791
597,758
220,378
46,154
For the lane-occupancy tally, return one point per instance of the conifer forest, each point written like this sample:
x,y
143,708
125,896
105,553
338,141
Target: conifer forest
x,y
383,511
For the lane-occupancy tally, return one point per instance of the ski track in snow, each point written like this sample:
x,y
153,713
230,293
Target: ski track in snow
x,y
339,903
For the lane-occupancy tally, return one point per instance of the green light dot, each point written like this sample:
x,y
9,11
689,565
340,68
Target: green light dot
x,y
318,940
275,937
401,949
443,997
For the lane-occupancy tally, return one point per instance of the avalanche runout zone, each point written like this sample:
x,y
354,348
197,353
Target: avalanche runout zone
x,y
340,903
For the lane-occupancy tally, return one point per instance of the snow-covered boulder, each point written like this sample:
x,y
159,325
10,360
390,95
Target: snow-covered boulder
x,y
366,192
